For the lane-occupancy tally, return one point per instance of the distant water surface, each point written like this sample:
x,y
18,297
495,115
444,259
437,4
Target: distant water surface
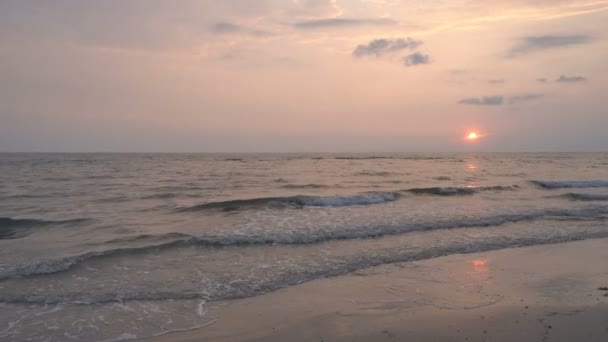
x,y
145,242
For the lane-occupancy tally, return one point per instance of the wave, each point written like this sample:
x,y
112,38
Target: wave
x,y
459,191
162,195
21,196
295,202
441,191
11,228
375,173
11,222
168,195
99,177
388,157
179,240
378,231
442,178
304,186
268,284
64,264
178,188
57,179
149,237
336,201
585,197
114,199
571,184
498,188
363,158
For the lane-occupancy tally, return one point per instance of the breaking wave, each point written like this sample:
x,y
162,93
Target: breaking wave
x,y
571,184
282,280
304,186
295,202
336,201
303,237
11,228
389,157
375,173
444,191
585,197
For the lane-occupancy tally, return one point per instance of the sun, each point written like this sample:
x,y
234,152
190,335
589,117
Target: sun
x,y
473,136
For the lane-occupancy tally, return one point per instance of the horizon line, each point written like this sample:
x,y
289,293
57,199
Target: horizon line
x,y
290,152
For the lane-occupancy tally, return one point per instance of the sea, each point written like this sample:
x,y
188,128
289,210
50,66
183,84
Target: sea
x,y
113,247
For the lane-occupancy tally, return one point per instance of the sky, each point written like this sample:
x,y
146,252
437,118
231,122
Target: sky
x,y
303,75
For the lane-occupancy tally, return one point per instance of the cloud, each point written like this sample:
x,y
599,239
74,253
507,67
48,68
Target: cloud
x,y
538,43
230,28
497,81
570,79
381,47
342,22
515,99
224,27
156,25
416,58
500,100
483,101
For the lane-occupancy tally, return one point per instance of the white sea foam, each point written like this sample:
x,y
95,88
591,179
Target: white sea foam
x,y
298,237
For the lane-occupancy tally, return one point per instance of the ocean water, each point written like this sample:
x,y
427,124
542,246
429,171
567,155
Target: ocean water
x,y
110,247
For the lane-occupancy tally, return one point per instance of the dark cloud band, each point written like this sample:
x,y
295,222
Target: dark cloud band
x,y
570,79
342,22
483,101
381,47
532,44
500,100
416,58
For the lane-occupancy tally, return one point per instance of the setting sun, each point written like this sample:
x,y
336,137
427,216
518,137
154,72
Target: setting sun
x,y
472,136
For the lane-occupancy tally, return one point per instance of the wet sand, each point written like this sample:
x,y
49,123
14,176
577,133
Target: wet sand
x,y
541,293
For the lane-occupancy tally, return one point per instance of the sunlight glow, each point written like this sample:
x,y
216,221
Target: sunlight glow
x,y
480,262
472,136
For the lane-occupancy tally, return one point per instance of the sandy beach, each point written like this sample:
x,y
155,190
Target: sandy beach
x,y
540,293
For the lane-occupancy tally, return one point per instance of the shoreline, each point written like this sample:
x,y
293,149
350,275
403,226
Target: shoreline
x,y
537,293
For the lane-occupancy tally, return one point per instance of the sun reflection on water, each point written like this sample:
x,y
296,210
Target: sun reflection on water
x,y
481,270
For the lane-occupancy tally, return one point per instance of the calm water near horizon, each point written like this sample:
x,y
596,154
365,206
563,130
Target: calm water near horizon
x,y
146,243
